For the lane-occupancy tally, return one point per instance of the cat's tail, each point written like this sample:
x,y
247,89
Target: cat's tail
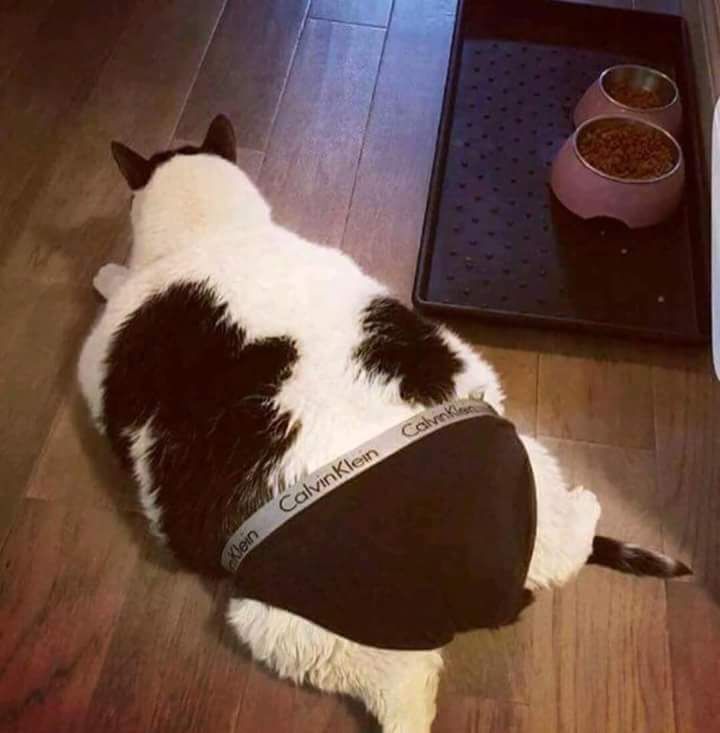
x,y
629,558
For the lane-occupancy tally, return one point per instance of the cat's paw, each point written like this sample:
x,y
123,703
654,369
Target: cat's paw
x,y
109,278
587,508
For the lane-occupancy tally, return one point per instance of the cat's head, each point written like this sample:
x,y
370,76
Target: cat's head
x,y
191,192
137,170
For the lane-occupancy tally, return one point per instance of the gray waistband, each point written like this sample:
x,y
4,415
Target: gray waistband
x,y
320,483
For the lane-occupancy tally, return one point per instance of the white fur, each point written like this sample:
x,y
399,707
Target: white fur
x,y
141,443
109,279
200,218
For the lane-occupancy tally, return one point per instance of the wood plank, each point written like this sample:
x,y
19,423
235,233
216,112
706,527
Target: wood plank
x,y
369,12
388,204
172,663
56,71
76,466
490,664
19,22
598,391
458,714
687,413
137,97
64,580
267,703
40,337
610,659
687,421
251,162
694,623
271,704
313,154
323,713
244,72
518,371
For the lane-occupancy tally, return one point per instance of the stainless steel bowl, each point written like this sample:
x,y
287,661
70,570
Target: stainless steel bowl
x,y
598,100
640,77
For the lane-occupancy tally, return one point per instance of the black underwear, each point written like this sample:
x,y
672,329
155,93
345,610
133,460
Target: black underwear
x,y
434,540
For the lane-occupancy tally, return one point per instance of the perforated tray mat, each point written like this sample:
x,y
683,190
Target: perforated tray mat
x,y
497,243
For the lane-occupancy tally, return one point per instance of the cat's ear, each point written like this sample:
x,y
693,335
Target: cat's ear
x,y
220,139
135,169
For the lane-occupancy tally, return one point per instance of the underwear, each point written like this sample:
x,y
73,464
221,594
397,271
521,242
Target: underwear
x,y
423,533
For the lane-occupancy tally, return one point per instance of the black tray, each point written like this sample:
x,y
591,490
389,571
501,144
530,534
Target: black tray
x,y
496,243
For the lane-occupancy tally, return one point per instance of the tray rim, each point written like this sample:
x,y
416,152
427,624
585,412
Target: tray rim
x,y
700,250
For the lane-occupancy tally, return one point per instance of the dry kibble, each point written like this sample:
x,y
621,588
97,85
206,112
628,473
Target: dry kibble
x,y
632,96
627,150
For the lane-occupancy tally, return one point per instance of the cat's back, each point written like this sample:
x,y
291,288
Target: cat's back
x,y
277,321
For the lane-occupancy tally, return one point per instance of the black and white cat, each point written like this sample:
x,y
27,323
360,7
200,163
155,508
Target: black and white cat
x,y
234,357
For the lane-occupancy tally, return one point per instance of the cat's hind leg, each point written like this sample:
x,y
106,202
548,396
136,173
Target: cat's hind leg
x,y
566,522
109,278
398,687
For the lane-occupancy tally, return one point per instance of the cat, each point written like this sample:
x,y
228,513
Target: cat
x,y
233,357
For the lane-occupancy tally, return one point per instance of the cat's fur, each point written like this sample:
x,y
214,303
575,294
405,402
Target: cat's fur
x,y
233,357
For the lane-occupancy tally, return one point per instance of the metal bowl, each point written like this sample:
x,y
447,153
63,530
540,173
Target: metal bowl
x,y
598,99
589,192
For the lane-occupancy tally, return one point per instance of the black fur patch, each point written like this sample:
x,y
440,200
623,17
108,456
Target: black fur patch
x,y
163,156
156,160
177,361
398,343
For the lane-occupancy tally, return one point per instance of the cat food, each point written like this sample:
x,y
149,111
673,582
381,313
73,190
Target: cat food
x,y
627,150
633,96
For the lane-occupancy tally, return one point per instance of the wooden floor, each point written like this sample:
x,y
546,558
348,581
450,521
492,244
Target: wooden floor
x,y
336,105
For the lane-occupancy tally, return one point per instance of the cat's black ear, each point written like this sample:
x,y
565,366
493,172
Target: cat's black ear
x,y
220,139
135,169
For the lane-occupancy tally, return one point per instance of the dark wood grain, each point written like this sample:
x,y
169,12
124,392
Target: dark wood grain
x,y
388,204
93,637
172,663
312,157
19,21
687,418
490,664
40,335
64,576
64,233
599,392
370,12
687,423
694,628
609,657
279,706
76,466
458,714
48,80
250,161
245,69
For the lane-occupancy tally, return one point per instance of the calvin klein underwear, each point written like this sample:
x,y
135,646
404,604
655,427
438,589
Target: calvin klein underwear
x,y
421,533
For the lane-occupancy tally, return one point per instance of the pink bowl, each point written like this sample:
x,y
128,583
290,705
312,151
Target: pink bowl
x,y
598,101
589,193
